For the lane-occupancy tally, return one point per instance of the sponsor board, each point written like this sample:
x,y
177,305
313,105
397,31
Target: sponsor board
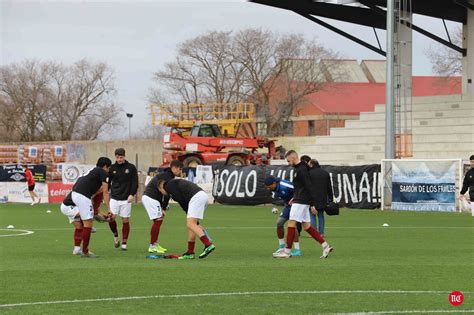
x,y
353,186
424,185
14,173
71,172
57,191
18,192
3,192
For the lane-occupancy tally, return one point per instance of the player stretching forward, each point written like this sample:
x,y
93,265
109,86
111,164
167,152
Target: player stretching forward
x,y
194,201
123,184
284,190
303,198
85,187
69,209
156,204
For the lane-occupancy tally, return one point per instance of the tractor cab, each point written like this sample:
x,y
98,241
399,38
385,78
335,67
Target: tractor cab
x,y
206,130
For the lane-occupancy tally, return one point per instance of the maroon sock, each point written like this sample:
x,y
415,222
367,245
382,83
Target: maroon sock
x,y
191,247
280,232
125,232
113,227
205,240
155,231
290,237
77,237
86,236
314,234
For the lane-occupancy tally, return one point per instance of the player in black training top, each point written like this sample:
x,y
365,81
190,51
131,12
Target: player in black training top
x,y
468,183
83,190
304,198
123,185
194,201
156,204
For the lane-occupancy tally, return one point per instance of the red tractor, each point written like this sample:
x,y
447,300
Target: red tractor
x,y
204,144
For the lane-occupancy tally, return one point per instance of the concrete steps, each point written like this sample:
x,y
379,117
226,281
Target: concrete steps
x,y
442,127
416,130
373,148
367,116
431,107
462,120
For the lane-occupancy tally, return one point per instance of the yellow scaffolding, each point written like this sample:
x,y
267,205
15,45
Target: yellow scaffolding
x,y
183,116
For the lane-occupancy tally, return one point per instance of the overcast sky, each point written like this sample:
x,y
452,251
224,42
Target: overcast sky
x,y
137,37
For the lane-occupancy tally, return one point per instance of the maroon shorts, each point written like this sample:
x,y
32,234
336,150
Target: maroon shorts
x,y
31,188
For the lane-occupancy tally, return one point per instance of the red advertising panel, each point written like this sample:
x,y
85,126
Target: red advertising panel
x,y
57,191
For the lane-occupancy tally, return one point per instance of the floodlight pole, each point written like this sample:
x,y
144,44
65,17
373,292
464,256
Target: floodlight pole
x,y
129,116
389,91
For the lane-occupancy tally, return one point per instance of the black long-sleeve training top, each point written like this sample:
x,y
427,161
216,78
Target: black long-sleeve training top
x,y
88,184
321,184
123,180
304,194
152,191
182,190
468,182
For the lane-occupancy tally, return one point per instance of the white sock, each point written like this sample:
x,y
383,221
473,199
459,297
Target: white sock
x,y
281,241
77,248
297,245
325,244
116,239
152,246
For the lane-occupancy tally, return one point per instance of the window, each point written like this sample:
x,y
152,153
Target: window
x,y
33,152
206,131
58,151
288,128
311,127
261,129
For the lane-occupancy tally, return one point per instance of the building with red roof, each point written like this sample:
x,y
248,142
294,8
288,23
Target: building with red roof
x,y
343,99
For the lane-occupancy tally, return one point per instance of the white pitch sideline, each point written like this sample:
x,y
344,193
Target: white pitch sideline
x,y
99,228
408,312
220,294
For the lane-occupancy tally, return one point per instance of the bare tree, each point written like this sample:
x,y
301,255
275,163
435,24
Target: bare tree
x,y
444,60
50,101
282,71
24,91
274,71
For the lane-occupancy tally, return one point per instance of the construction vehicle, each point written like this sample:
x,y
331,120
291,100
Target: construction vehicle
x,y
212,134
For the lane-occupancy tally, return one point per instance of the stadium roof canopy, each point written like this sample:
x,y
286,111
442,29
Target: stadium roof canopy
x,y
372,13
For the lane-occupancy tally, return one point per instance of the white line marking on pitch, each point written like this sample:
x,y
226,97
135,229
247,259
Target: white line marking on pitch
x,y
271,227
125,298
407,312
24,232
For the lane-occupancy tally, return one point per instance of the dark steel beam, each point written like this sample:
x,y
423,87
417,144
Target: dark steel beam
x,y
342,33
453,10
361,16
418,29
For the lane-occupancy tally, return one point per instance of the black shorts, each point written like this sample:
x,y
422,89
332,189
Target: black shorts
x,y
31,188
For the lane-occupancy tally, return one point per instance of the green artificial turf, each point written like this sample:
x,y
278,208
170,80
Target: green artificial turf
x,y
428,252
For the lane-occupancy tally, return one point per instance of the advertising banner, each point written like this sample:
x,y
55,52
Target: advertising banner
x,y
18,192
3,192
203,174
14,173
353,186
57,191
424,185
71,172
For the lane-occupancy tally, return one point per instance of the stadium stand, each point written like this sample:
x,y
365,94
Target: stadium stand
x,y
443,127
